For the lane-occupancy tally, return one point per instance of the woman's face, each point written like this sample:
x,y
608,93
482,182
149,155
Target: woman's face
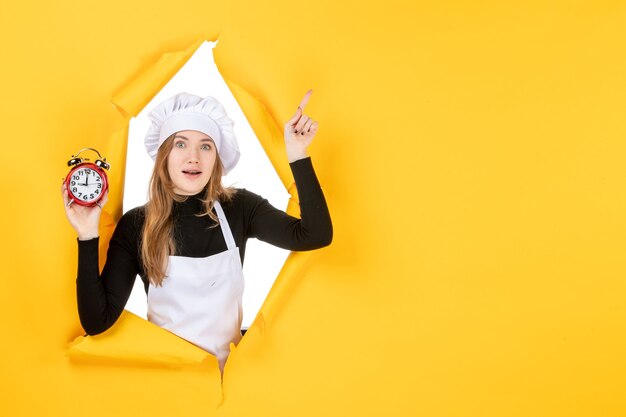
x,y
190,162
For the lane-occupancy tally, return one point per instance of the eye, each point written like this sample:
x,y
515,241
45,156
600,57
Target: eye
x,y
179,144
206,146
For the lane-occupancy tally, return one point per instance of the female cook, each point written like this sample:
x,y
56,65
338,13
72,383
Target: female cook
x,y
188,242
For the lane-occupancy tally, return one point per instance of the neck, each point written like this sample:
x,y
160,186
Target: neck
x,y
192,204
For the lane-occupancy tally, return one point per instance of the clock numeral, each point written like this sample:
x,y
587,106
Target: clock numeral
x,y
81,173
80,194
91,196
76,177
98,179
73,183
85,197
99,185
97,192
74,189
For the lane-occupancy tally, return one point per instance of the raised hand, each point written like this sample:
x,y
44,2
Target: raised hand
x,y
299,131
84,220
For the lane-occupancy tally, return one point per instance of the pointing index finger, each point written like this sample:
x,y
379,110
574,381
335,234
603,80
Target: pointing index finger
x,y
305,100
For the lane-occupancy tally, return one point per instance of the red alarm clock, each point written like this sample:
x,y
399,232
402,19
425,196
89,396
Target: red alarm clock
x,y
87,181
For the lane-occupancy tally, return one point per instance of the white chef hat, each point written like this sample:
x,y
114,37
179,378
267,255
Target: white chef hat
x,y
190,112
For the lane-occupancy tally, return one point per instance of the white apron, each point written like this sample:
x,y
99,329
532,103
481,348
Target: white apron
x,y
200,299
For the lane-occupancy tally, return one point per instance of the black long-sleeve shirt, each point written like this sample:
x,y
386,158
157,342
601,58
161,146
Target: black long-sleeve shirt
x,y
102,297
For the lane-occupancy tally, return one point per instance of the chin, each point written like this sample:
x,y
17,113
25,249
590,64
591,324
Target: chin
x,y
183,189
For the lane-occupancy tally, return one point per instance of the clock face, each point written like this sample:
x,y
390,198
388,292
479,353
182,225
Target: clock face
x,y
86,184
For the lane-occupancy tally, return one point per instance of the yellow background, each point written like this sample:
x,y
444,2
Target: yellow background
x,y
471,153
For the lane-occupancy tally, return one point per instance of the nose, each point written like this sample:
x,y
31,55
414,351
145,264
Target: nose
x,y
193,155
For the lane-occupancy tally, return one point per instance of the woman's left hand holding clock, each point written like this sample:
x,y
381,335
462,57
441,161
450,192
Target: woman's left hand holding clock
x,y
84,219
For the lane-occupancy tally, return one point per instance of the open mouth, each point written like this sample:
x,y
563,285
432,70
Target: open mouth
x,y
192,173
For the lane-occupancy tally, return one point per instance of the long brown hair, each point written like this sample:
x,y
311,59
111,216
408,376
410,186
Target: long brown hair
x,y
157,238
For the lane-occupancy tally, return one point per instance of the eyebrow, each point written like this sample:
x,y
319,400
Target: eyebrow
x,y
201,140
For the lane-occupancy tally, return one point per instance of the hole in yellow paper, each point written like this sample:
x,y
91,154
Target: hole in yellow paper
x,y
254,172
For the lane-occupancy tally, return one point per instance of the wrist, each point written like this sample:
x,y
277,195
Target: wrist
x,y
88,236
294,155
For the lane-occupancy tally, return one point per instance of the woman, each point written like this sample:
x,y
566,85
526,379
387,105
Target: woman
x,y
188,242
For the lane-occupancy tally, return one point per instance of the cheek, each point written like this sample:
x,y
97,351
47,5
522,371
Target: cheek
x,y
169,166
210,161
172,162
